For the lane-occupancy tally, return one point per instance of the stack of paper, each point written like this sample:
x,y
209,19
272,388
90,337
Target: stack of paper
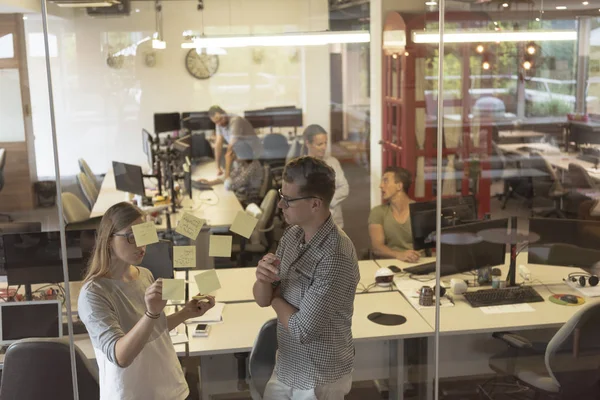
x,y
586,291
212,316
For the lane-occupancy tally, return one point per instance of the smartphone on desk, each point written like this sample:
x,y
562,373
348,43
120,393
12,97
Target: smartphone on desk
x,y
201,330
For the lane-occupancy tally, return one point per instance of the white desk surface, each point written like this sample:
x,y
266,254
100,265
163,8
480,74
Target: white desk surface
x,y
464,319
559,160
237,283
222,213
520,134
242,322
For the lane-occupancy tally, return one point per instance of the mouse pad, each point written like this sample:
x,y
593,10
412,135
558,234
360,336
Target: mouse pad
x,y
555,298
386,319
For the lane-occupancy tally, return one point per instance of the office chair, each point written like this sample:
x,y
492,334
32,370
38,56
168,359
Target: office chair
x,y
549,186
260,241
87,187
515,183
85,168
267,182
262,359
578,178
565,368
41,368
2,165
74,210
275,147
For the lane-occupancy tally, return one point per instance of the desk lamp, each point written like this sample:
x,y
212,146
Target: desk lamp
x,y
518,242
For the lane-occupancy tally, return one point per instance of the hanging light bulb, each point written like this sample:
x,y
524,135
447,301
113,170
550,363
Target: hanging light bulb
x,y
394,56
531,48
486,65
527,65
479,48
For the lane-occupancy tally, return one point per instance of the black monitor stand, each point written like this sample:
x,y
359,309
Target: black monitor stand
x,y
512,270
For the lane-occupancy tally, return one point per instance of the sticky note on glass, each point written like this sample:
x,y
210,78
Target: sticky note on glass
x,y
207,282
173,289
189,226
145,233
184,256
186,168
244,224
219,246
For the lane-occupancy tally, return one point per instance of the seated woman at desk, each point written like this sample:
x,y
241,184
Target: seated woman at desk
x,y
121,306
246,177
315,145
389,224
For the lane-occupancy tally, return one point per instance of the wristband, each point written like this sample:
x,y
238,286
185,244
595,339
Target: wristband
x,y
152,316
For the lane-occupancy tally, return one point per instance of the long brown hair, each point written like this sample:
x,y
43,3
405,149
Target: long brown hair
x,y
116,218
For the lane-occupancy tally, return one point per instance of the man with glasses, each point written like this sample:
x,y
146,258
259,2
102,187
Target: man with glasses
x,y
231,128
310,283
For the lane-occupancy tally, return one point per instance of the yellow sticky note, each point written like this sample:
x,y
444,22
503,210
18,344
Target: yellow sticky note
x,y
207,282
189,226
186,168
184,256
173,289
144,233
219,246
244,224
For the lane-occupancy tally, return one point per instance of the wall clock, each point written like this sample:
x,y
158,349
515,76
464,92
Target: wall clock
x,y
201,66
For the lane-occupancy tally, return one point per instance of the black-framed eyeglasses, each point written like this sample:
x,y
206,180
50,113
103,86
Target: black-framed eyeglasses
x,y
129,236
287,201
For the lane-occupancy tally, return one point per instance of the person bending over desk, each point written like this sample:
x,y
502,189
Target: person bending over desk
x,y
121,306
311,284
315,145
247,176
389,224
231,128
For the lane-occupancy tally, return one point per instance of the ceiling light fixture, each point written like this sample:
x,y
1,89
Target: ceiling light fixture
x,y
505,5
282,40
487,36
561,7
90,4
431,3
585,3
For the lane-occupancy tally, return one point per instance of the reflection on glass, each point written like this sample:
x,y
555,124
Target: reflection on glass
x,y
12,128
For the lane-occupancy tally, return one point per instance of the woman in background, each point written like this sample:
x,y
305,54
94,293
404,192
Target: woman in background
x,y
121,306
315,145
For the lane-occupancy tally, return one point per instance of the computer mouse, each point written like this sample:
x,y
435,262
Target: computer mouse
x,y
569,298
394,269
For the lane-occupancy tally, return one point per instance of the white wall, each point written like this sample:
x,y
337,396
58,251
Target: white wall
x,y
100,111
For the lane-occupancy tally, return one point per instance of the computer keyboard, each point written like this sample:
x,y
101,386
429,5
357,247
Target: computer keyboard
x,y
499,297
422,269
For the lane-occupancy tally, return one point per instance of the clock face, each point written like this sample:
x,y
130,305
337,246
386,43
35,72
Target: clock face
x,y
201,66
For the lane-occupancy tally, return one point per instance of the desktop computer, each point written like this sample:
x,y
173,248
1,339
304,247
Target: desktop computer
x,y
455,211
565,242
462,250
36,258
197,121
167,122
129,178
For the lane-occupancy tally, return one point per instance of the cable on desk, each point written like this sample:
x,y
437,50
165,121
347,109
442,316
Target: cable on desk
x,y
204,199
543,284
426,279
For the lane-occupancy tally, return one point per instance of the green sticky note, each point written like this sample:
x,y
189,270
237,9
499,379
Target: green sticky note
x,y
189,226
184,256
207,282
244,224
145,233
173,289
219,246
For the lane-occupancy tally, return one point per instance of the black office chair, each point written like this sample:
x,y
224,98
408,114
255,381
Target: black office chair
x,y
275,147
41,368
262,359
567,367
2,165
548,186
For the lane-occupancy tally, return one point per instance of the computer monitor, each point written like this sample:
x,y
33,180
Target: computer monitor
x,y
463,250
159,259
455,211
30,319
201,147
129,178
166,122
35,258
147,142
197,121
15,227
566,242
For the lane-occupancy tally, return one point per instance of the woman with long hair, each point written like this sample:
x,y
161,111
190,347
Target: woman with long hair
x,y
315,145
121,306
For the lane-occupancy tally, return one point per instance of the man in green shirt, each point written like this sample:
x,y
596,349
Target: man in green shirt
x,y
389,223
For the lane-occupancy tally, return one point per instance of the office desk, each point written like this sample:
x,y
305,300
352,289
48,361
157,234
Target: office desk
x,y
220,214
237,283
510,136
242,323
